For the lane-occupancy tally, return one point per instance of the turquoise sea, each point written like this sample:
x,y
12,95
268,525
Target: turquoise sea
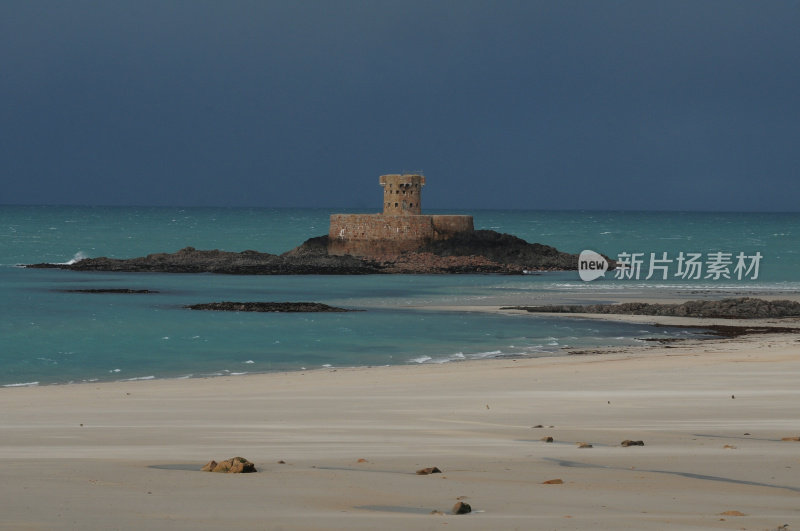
x,y
49,336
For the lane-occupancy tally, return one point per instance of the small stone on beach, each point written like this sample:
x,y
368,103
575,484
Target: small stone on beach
x,y
547,439
553,482
783,439
462,508
429,470
234,465
628,442
584,445
732,513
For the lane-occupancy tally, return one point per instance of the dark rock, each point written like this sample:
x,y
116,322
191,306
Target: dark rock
x,y
553,482
734,308
547,439
584,445
108,290
462,508
190,260
234,465
504,249
628,442
430,470
228,306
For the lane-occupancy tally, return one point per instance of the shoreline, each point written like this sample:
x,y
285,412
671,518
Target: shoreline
x,y
789,323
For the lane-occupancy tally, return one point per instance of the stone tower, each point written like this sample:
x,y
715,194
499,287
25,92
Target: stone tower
x,y
402,194
401,227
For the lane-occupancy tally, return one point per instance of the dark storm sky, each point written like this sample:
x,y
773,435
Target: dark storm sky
x,y
666,105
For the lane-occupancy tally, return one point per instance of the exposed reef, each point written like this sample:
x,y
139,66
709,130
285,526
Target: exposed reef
x,y
734,308
283,307
191,260
109,290
482,251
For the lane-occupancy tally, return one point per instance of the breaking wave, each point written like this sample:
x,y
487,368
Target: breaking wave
x,y
80,255
537,350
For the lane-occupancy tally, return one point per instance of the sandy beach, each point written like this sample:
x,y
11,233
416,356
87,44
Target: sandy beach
x,y
711,414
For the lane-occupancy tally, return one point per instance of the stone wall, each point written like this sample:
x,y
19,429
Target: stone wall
x,y
446,226
377,234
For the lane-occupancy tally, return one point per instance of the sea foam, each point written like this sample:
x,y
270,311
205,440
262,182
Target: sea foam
x,y
80,255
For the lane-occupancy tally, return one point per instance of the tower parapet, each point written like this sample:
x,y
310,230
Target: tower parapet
x,y
402,194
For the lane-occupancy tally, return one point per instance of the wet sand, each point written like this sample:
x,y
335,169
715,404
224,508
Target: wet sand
x,y
711,414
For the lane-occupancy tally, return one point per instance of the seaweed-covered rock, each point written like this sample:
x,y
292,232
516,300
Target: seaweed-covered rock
x,y
733,308
227,306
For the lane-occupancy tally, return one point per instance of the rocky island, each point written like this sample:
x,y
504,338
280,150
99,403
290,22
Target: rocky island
x,y
477,252
400,240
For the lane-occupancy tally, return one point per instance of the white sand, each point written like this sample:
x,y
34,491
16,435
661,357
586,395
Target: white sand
x,y
82,456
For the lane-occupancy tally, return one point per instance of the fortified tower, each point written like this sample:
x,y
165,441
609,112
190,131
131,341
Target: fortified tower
x,y
402,226
402,194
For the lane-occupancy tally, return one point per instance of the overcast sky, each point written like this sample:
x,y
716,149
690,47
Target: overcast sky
x,y
662,105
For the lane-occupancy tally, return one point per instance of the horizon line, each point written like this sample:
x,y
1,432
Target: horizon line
x,y
426,212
